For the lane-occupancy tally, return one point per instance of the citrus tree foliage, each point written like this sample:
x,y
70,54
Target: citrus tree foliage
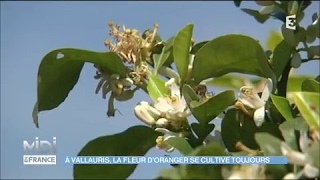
x,y
277,113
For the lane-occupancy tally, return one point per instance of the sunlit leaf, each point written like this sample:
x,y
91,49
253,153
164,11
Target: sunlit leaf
x,y
204,171
156,87
180,144
313,151
283,106
230,130
288,132
231,53
196,47
181,50
59,71
206,111
261,18
310,85
135,141
309,106
281,56
274,38
270,146
160,59
202,130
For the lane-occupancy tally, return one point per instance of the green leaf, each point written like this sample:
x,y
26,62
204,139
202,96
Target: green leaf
x,y
198,46
295,82
206,111
160,59
313,51
288,132
189,94
288,36
283,106
170,173
261,18
228,81
135,141
267,10
274,38
181,50
181,144
204,171
202,130
156,87
313,151
310,85
270,146
231,53
309,106
265,3
59,71
237,2
281,56
230,130
293,7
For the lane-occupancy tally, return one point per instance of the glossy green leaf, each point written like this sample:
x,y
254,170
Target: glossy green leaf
x,y
135,141
274,38
170,173
313,151
189,94
202,130
267,10
181,50
230,130
156,87
288,132
206,111
270,146
181,144
281,56
160,59
309,106
59,71
295,82
283,106
314,51
293,7
204,171
231,53
288,36
261,18
198,46
310,85
228,81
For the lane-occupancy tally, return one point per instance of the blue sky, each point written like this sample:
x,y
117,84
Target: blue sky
x,y
31,29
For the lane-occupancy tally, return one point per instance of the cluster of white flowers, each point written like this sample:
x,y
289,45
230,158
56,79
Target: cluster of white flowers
x,y
166,113
248,98
302,158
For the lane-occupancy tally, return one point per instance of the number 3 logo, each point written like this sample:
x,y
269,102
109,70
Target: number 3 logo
x,y
291,22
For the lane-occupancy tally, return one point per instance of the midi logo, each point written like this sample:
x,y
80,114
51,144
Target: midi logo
x,y
40,152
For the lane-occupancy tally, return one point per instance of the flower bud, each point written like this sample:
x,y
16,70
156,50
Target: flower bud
x,y
126,82
259,116
143,115
162,123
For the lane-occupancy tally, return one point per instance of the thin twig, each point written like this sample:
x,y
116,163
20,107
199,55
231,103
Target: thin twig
x,y
310,59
